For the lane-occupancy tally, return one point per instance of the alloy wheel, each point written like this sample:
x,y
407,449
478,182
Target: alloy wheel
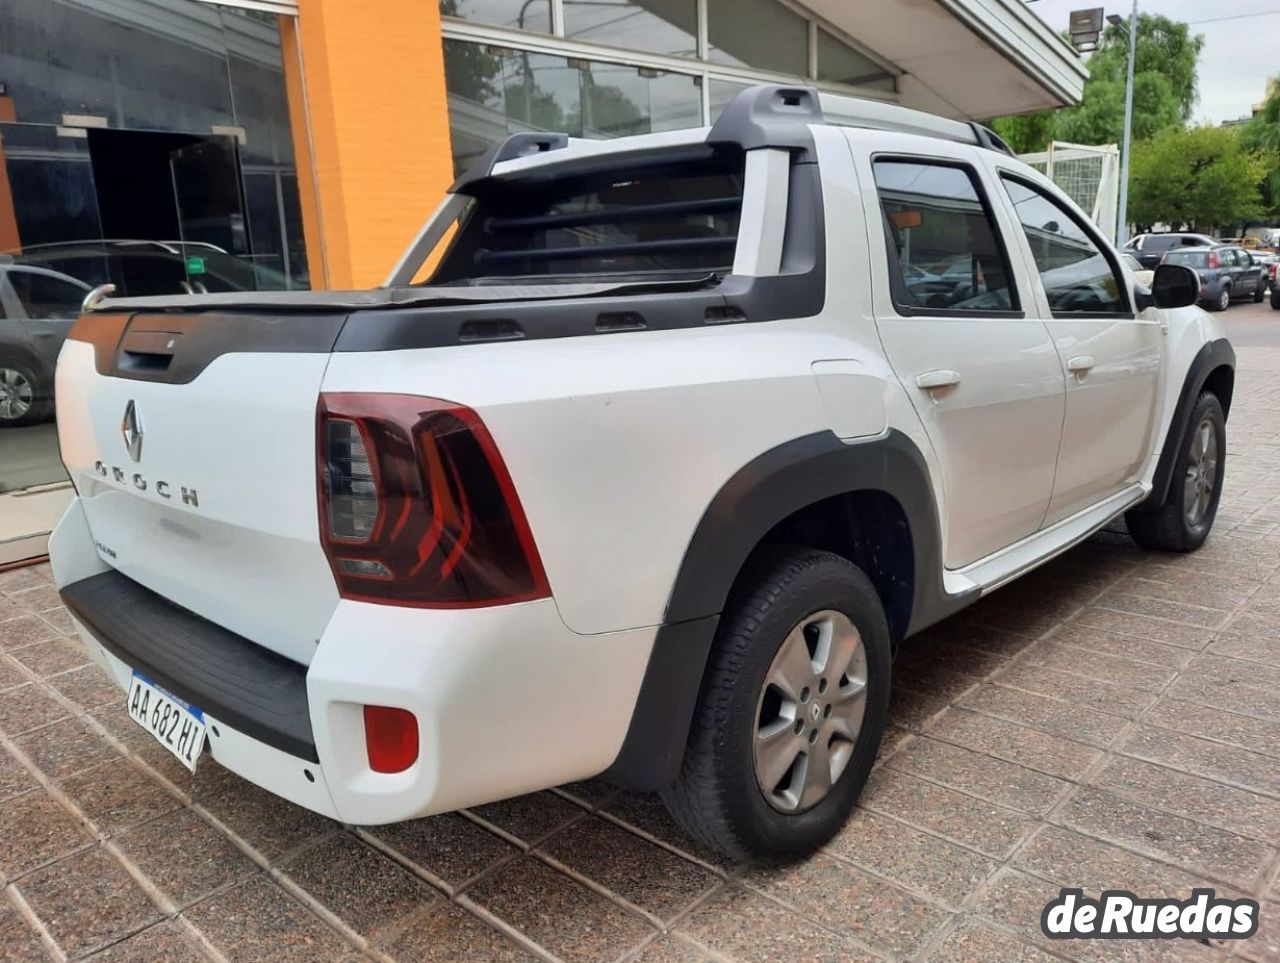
x,y
810,711
17,394
1202,473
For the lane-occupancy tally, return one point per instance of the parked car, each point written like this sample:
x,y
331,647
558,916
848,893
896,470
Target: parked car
x,y
1275,285
1144,276
1266,260
1226,274
141,268
1150,248
1247,241
37,309
649,479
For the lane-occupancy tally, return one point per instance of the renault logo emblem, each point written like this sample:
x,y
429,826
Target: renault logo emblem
x,y
131,428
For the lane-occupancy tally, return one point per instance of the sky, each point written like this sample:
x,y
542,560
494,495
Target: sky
x,y
1238,56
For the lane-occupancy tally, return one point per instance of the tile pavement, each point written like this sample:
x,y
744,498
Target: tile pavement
x,y
1110,721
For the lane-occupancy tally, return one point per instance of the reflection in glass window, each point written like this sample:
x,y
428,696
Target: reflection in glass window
x,y
517,14
720,93
657,26
941,230
619,100
757,33
495,91
1077,277
44,294
840,63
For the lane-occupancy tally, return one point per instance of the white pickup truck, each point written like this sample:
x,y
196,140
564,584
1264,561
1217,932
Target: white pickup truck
x,y
680,436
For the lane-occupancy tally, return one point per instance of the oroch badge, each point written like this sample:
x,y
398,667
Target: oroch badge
x,y
131,428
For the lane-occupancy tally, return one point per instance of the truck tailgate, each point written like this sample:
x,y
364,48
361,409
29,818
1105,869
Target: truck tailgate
x,y
192,443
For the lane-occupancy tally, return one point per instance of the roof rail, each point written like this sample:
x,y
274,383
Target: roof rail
x,y
767,115
778,115
845,111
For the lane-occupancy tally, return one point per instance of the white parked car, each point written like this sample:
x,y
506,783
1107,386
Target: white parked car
x,y
685,433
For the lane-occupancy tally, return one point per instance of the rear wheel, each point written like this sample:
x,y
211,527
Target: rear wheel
x,y
23,395
791,710
1182,522
1275,297
1222,301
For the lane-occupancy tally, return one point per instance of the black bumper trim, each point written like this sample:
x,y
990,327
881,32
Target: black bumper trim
x,y
251,689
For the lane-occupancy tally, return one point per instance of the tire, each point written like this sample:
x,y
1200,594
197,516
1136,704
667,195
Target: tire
x,y
718,797
1222,301
1275,298
1259,292
25,395
1173,526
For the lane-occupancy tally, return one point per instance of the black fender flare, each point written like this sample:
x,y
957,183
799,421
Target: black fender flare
x,y
760,495
1211,356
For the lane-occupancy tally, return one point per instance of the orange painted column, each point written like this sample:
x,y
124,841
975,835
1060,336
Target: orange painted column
x,y
9,239
371,128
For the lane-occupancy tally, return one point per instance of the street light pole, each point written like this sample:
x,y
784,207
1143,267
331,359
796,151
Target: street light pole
x,y
1122,213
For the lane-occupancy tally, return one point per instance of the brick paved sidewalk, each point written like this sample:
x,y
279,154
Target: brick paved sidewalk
x,y
1112,721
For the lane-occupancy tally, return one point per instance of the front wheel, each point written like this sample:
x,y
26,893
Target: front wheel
x,y
1182,521
1260,291
791,711
1275,297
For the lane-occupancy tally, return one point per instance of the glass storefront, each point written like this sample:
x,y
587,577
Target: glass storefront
x,y
494,92
614,67
143,143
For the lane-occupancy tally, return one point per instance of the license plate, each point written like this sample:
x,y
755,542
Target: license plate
x,y
177,725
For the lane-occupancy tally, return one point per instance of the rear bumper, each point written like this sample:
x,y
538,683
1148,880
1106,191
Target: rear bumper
x,y
508,699
261,694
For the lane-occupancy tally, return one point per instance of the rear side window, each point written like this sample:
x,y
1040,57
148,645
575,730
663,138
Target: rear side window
x,y
47,296
666,219
945,253
1078,277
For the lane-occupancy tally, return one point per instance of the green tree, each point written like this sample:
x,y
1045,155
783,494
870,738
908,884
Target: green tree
x,y
1165,47
1262,135
1199,177
1164,90
1026,133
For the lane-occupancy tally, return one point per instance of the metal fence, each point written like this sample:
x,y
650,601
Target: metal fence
x,y
1089,175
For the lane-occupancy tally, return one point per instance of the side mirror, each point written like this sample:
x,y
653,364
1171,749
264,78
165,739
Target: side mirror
x,y
1175,286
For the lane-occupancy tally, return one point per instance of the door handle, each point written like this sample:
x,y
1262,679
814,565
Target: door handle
x,y
1081,364
938,378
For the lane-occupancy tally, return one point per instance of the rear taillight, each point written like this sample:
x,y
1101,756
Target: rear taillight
x,y
1213,259
417,507
390,738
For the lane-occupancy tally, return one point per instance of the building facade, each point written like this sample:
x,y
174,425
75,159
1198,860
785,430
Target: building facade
x,y
168,146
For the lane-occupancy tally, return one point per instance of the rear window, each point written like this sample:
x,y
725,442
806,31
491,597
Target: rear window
x,y
661,219
1193,259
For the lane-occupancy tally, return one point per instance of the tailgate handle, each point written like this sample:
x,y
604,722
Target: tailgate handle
x,y
144,361
148,350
